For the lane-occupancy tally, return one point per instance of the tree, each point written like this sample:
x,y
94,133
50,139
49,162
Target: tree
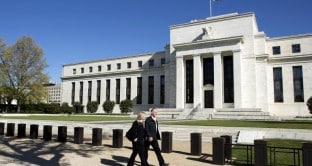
x,y
125,106
108,106
92,106
22,69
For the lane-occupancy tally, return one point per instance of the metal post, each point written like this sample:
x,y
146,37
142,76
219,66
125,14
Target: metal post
x,y
227,147
260,152
2,128
97,136
78,135
62,134
307,153
10,129
166,142
218,150
21,130
196,144
47,132
33,134
117,138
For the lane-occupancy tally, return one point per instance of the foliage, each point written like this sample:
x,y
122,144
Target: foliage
x,y
78,107
309,104
22,70
125,106
108,106
65,108
92,106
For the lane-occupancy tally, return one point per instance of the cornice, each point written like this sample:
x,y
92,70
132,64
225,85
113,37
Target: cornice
x,y
213,19
290,37
305,57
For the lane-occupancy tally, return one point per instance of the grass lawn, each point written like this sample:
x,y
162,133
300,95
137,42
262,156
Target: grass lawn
x,y
87,118
239,123
239,155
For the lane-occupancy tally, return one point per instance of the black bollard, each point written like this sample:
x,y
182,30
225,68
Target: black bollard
x,y
218,150
21,130
33,133
260,152
47,132
78,135
97,136
227,147
117,138
62,134
2,128
166,142
196,144
307,153
10,129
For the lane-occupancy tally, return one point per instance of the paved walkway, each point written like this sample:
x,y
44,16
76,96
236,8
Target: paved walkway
x,y
14,151
28,152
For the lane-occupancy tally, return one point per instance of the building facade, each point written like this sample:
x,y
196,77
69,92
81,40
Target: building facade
x,y
222,62
54,93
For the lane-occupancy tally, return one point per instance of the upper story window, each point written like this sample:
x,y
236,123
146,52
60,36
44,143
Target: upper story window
x,y
276,50
99,68
118,66
296,48
108,67
74,71
151,62
162,61
129,65
82,70
90,69
139,64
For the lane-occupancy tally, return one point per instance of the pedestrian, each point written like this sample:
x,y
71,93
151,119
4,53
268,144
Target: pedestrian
x,y
138,139
152,132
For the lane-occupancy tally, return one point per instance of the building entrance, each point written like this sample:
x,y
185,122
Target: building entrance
x,y
208,98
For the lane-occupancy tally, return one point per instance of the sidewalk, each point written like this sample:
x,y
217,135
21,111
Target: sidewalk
x,y
14,151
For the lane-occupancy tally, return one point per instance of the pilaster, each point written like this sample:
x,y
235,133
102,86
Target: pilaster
x,y
180,82
218,84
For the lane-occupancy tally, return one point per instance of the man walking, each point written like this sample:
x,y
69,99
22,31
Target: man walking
x,y
152,132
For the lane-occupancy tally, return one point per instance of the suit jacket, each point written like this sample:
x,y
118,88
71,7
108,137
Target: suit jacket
x,y
151,130
138,131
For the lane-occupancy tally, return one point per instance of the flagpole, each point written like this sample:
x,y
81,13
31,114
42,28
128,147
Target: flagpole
x,y
210,9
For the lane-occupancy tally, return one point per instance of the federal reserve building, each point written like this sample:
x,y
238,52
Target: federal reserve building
x,y
217,67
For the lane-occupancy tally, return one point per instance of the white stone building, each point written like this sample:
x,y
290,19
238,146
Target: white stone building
x,y
214,64
54,92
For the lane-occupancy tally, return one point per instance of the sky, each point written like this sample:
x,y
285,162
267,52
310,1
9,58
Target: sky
x,y
71,31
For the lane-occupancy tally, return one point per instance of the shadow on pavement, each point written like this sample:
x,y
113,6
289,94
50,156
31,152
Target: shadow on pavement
x,y
39,152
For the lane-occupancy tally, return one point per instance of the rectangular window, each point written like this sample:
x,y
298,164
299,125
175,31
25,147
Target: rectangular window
x,y
162,61
228,79
90,69
74,71
128,88
151,62
99,68
139,64
208,71
82,70
108,67
117,91
189,81
298,84
98,91
118,66
73,93
139,90
151,90
296,48
89,90
129,65
276,50
107,90
162,89
81,92
278,84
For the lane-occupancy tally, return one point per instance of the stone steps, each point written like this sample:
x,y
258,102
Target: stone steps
x,y
241,114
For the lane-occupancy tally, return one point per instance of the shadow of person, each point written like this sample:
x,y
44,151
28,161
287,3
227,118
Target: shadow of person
x,y
109,162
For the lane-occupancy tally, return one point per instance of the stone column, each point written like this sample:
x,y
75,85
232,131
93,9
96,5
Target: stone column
x,y
218,86
198,83
180,81
237,78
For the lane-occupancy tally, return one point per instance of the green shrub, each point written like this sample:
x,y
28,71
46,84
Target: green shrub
x,y
52,108
78,107
65,108
309,104
125,106
108,106
92,106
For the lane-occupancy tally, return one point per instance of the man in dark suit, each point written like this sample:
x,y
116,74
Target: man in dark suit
x,y
152,132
